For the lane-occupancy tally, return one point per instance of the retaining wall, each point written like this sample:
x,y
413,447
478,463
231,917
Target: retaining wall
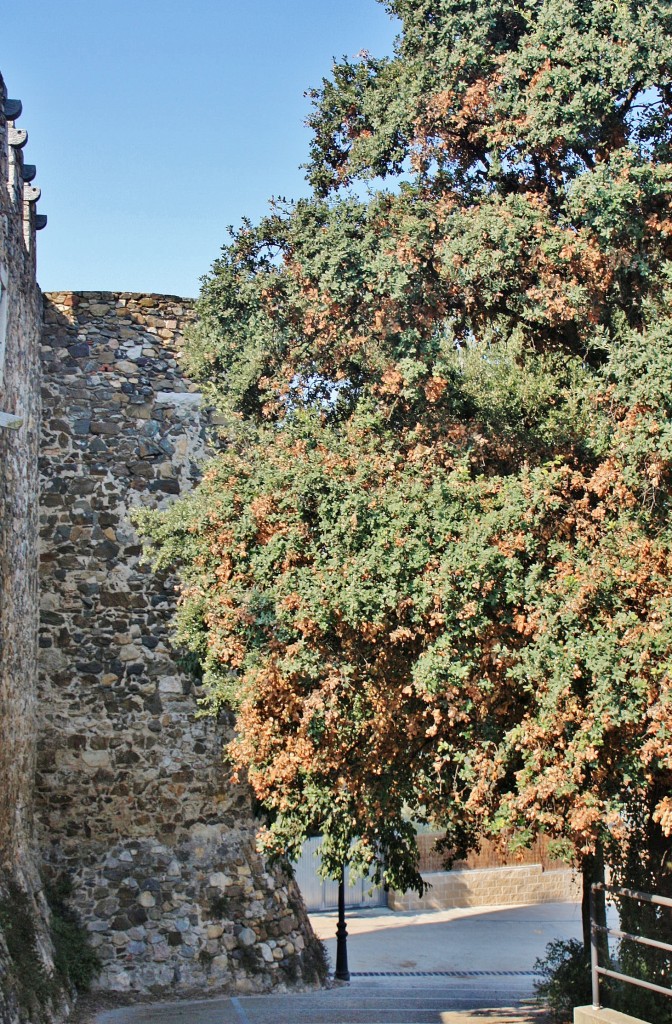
x,y
480,887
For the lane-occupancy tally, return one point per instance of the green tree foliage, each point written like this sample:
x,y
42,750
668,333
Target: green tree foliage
x,y
432,569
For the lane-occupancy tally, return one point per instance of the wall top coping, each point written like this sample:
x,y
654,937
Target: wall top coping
x,y
55,296
451,872
601,1015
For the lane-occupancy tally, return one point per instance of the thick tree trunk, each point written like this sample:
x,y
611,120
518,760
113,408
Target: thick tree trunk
x,y
593,871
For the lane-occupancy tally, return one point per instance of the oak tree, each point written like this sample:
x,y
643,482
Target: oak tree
x,y
431,568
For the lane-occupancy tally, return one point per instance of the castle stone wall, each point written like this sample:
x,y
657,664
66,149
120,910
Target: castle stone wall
x,y
134,801
25,950
20,319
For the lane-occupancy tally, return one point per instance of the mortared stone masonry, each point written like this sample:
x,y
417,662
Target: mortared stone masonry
x,y
134,801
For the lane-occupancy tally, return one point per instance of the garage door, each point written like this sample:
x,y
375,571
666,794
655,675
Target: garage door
x,y
322,894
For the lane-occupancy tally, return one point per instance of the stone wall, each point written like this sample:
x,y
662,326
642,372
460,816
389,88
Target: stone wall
x,y
25,949
489,887
489,876
135,804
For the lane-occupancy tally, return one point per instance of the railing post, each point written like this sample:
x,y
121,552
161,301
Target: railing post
x,y
594,952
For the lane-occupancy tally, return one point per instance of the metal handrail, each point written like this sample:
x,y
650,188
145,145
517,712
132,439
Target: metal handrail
x,y
595,929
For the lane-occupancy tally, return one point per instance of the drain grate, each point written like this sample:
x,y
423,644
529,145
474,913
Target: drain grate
x,y
443,974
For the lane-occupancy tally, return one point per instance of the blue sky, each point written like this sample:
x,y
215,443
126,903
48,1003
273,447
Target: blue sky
x,y
155,124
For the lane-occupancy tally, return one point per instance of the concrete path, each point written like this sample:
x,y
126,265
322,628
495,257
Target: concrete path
x,y
440,967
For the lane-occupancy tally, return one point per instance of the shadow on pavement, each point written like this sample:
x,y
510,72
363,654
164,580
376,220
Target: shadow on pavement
x,y
496,1016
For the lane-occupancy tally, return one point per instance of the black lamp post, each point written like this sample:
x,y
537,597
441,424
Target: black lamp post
x,y
342,973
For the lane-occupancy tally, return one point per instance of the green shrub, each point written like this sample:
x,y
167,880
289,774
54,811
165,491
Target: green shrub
x,y
35,988
647,965
315,962
564,979
76,962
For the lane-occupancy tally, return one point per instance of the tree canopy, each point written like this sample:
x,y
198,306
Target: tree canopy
x,y
431,569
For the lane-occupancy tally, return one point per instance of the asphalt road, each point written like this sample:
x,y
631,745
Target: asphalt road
x,y
485,938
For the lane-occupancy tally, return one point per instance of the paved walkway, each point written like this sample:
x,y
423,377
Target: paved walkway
x,y
375,1002
440,967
